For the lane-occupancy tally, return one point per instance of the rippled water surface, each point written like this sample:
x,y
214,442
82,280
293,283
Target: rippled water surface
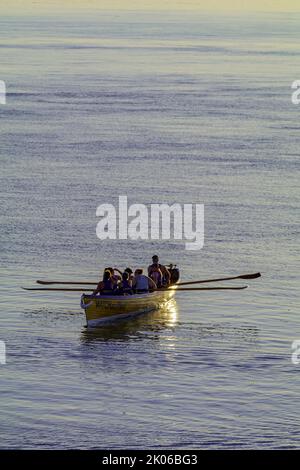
x,y
162,108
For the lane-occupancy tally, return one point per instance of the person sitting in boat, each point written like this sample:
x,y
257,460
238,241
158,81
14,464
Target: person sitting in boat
x,y
156,275
125,286
166,276
114,277
130,273
142,283
107,286
127,270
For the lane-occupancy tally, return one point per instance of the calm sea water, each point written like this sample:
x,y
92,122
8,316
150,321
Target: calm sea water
x,y
162,108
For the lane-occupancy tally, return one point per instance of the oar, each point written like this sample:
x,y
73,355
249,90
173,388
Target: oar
x,y
205,288
75,289
242,276
88,283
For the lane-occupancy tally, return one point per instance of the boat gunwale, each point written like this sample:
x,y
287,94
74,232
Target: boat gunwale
x,y
130,297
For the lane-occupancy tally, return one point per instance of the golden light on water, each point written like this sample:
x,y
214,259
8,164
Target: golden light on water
x,y
172,313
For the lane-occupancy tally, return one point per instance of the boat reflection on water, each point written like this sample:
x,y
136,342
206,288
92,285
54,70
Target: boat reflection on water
x,y
136,326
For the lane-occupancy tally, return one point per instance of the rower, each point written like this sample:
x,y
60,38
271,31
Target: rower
x,y
127,270
130,273
114,277
105,287
142,283
166,277
125,286
156,275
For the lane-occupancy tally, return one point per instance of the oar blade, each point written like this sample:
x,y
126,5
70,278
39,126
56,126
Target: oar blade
x,y
250,276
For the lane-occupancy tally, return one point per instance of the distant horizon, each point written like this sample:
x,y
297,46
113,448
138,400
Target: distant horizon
x,y
86,13
23,7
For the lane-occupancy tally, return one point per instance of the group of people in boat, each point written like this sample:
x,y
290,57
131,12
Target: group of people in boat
x,y
116,282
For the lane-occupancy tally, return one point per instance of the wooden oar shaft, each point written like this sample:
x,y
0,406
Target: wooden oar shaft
x,y
63,289
207,288
242,276
76,289
87,283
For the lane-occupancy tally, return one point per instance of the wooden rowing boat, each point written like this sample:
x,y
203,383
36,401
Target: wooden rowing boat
x,y
105,307
101,308
109,307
